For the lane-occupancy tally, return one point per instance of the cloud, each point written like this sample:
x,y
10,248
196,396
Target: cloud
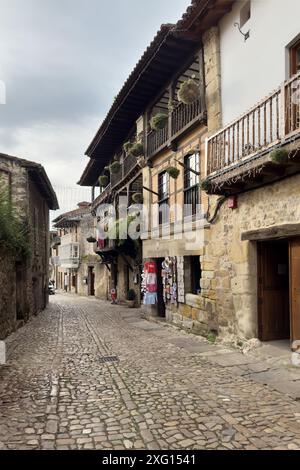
x,y
62,62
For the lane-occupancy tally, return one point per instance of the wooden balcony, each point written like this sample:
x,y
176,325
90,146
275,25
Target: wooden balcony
x,y
181,119
240,152
130,164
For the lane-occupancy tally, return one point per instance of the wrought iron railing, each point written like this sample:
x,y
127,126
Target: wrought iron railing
x,y
267,124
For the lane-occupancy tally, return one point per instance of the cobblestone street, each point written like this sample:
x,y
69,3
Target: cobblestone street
x,y
163,392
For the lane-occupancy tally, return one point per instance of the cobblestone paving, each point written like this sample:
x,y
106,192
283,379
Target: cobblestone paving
x,y
57,393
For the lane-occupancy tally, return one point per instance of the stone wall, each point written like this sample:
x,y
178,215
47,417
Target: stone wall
x,y
8,318
24,282
230,279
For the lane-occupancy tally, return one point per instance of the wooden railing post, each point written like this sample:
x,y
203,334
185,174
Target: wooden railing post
x,y
283,108
170,121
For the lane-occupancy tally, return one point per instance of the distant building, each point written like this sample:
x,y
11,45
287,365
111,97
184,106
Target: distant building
x,y
26,198
74,259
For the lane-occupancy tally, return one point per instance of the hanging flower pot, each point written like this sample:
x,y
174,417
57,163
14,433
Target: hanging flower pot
x,y
142,162
206,185
91,239
159,121
103,181
279,156
137,198
127,147
137,149
188,91
106,169
173,172
115,167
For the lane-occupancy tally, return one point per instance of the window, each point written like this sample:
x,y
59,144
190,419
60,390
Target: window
x,y
295,58
192,274
191,184
245,13
163,202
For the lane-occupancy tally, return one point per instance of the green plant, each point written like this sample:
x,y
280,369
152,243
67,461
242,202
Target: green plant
x,y
14,231
188,91
137,149
211,337
278,155
103,181
206,185
131,295
115,167
159,121
137,198
173,172
127,147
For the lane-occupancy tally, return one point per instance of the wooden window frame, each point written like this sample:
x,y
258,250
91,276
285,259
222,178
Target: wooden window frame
x,y
293,58
188,175
163,197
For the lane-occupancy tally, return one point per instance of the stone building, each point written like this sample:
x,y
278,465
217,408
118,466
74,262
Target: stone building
x,y
24,274
77,266
233,269
252,162
175,56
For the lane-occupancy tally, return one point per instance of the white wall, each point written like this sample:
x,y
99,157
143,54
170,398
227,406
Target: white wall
x,y
251,70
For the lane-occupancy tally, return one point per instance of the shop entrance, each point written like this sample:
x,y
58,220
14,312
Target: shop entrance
x,y
161,307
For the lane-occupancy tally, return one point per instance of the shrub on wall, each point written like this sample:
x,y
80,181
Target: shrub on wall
x,y
14,232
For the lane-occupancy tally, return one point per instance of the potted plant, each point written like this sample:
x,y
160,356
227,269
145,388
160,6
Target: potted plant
x,y
173,172
206,185
127,147
188,91
137,198
106,169
159,121
137,149
115,167
131,297
103,181
279,156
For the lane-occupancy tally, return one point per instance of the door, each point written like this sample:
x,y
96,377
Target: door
x,y
161,307
295,288
273,290
91,282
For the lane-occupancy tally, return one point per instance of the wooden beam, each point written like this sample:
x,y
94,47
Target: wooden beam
x,y
274,232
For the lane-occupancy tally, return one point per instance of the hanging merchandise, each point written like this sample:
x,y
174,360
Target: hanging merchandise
x,y
169,280
149,283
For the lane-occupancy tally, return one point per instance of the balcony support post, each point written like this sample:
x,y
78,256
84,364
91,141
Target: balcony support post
x,y
202,81
170,113
283,124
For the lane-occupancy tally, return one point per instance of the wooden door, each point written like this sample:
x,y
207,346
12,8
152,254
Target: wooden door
x,y
295,288
273,291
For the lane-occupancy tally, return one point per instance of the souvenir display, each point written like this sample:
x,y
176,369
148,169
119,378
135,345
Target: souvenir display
x,y
149,283
180,279
169,280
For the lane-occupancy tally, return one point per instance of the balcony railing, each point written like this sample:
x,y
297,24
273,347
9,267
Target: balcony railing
x,y
182,117
129,163
270,122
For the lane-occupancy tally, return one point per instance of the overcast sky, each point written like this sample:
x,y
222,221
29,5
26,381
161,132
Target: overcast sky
x,y
63,62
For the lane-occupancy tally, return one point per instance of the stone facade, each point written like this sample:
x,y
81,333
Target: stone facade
x,y
24,282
